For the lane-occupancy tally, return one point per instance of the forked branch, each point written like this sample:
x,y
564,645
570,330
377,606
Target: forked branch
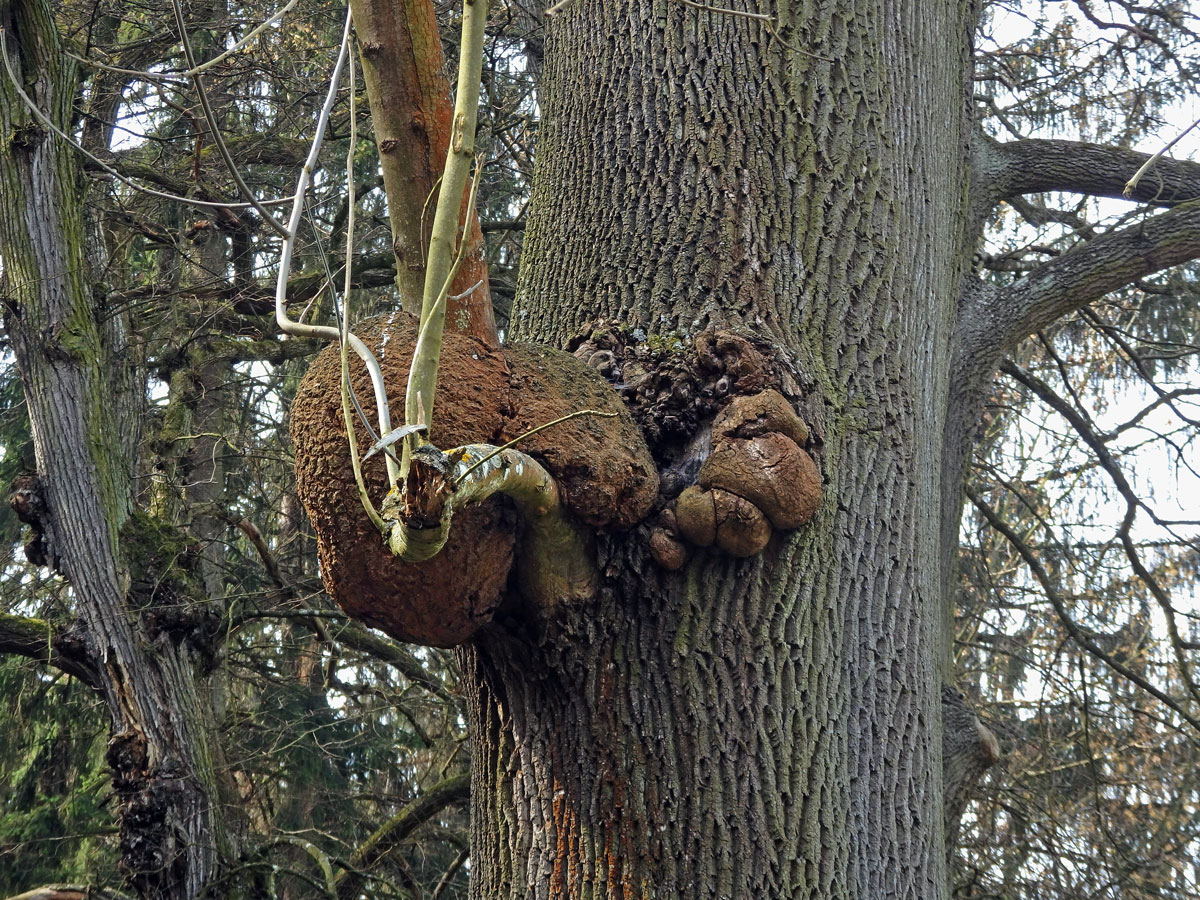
x,y
995,319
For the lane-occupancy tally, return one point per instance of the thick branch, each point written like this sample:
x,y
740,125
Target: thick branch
x,y
413,121
996,319
1007,170
36,639
446,250
367,271
443,794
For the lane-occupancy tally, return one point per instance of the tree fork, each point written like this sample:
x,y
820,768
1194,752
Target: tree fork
x,y
413,122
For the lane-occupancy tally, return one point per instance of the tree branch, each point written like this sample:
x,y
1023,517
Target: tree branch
x,y
995,319
368,271
414,122
214,128
356,637
36,639
1009,169
1078,634
396,829
1132,504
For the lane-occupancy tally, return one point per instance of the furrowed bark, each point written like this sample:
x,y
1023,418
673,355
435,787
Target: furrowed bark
x,y
765,727
83,412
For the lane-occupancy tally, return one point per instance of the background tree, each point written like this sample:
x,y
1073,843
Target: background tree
x,y
770,725
1079,656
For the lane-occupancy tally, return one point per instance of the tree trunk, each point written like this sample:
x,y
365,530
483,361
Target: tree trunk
x,y
766,727
84,408
411,115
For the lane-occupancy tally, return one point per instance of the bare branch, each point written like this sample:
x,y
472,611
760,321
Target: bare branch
x,y
36,639
356,637
1131,186
445,793
1009,169
1132,504
286,324
347,633
444,257
448,877
38,114
214,127
1078,634
995,319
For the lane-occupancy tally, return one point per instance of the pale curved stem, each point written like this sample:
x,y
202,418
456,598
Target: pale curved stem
x,y
289,326
555,564
347,415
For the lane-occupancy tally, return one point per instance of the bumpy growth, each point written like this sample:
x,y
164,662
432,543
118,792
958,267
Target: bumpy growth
x,y
729,445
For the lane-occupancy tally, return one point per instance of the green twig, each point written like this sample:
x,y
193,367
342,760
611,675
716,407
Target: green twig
x,y
422,375
351,437
443,259
530,433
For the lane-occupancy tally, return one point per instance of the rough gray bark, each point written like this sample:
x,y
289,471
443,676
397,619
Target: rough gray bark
x,y
83,415
767,727
693,174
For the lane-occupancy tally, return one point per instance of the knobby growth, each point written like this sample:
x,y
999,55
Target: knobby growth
x,y
442,568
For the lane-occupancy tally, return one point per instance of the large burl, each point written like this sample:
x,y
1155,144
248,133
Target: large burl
x,y
731,446
484,395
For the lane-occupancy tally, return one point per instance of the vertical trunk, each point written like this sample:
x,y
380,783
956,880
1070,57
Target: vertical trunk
x,y
404,70
766,727
83,410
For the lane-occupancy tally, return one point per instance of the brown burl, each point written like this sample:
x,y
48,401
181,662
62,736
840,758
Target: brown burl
x,y
730,446
484,395
755,476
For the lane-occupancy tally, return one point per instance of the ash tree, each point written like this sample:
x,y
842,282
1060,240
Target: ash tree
x,y
703,615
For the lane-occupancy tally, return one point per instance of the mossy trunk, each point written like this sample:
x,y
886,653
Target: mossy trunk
x,y
84,404
767,727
